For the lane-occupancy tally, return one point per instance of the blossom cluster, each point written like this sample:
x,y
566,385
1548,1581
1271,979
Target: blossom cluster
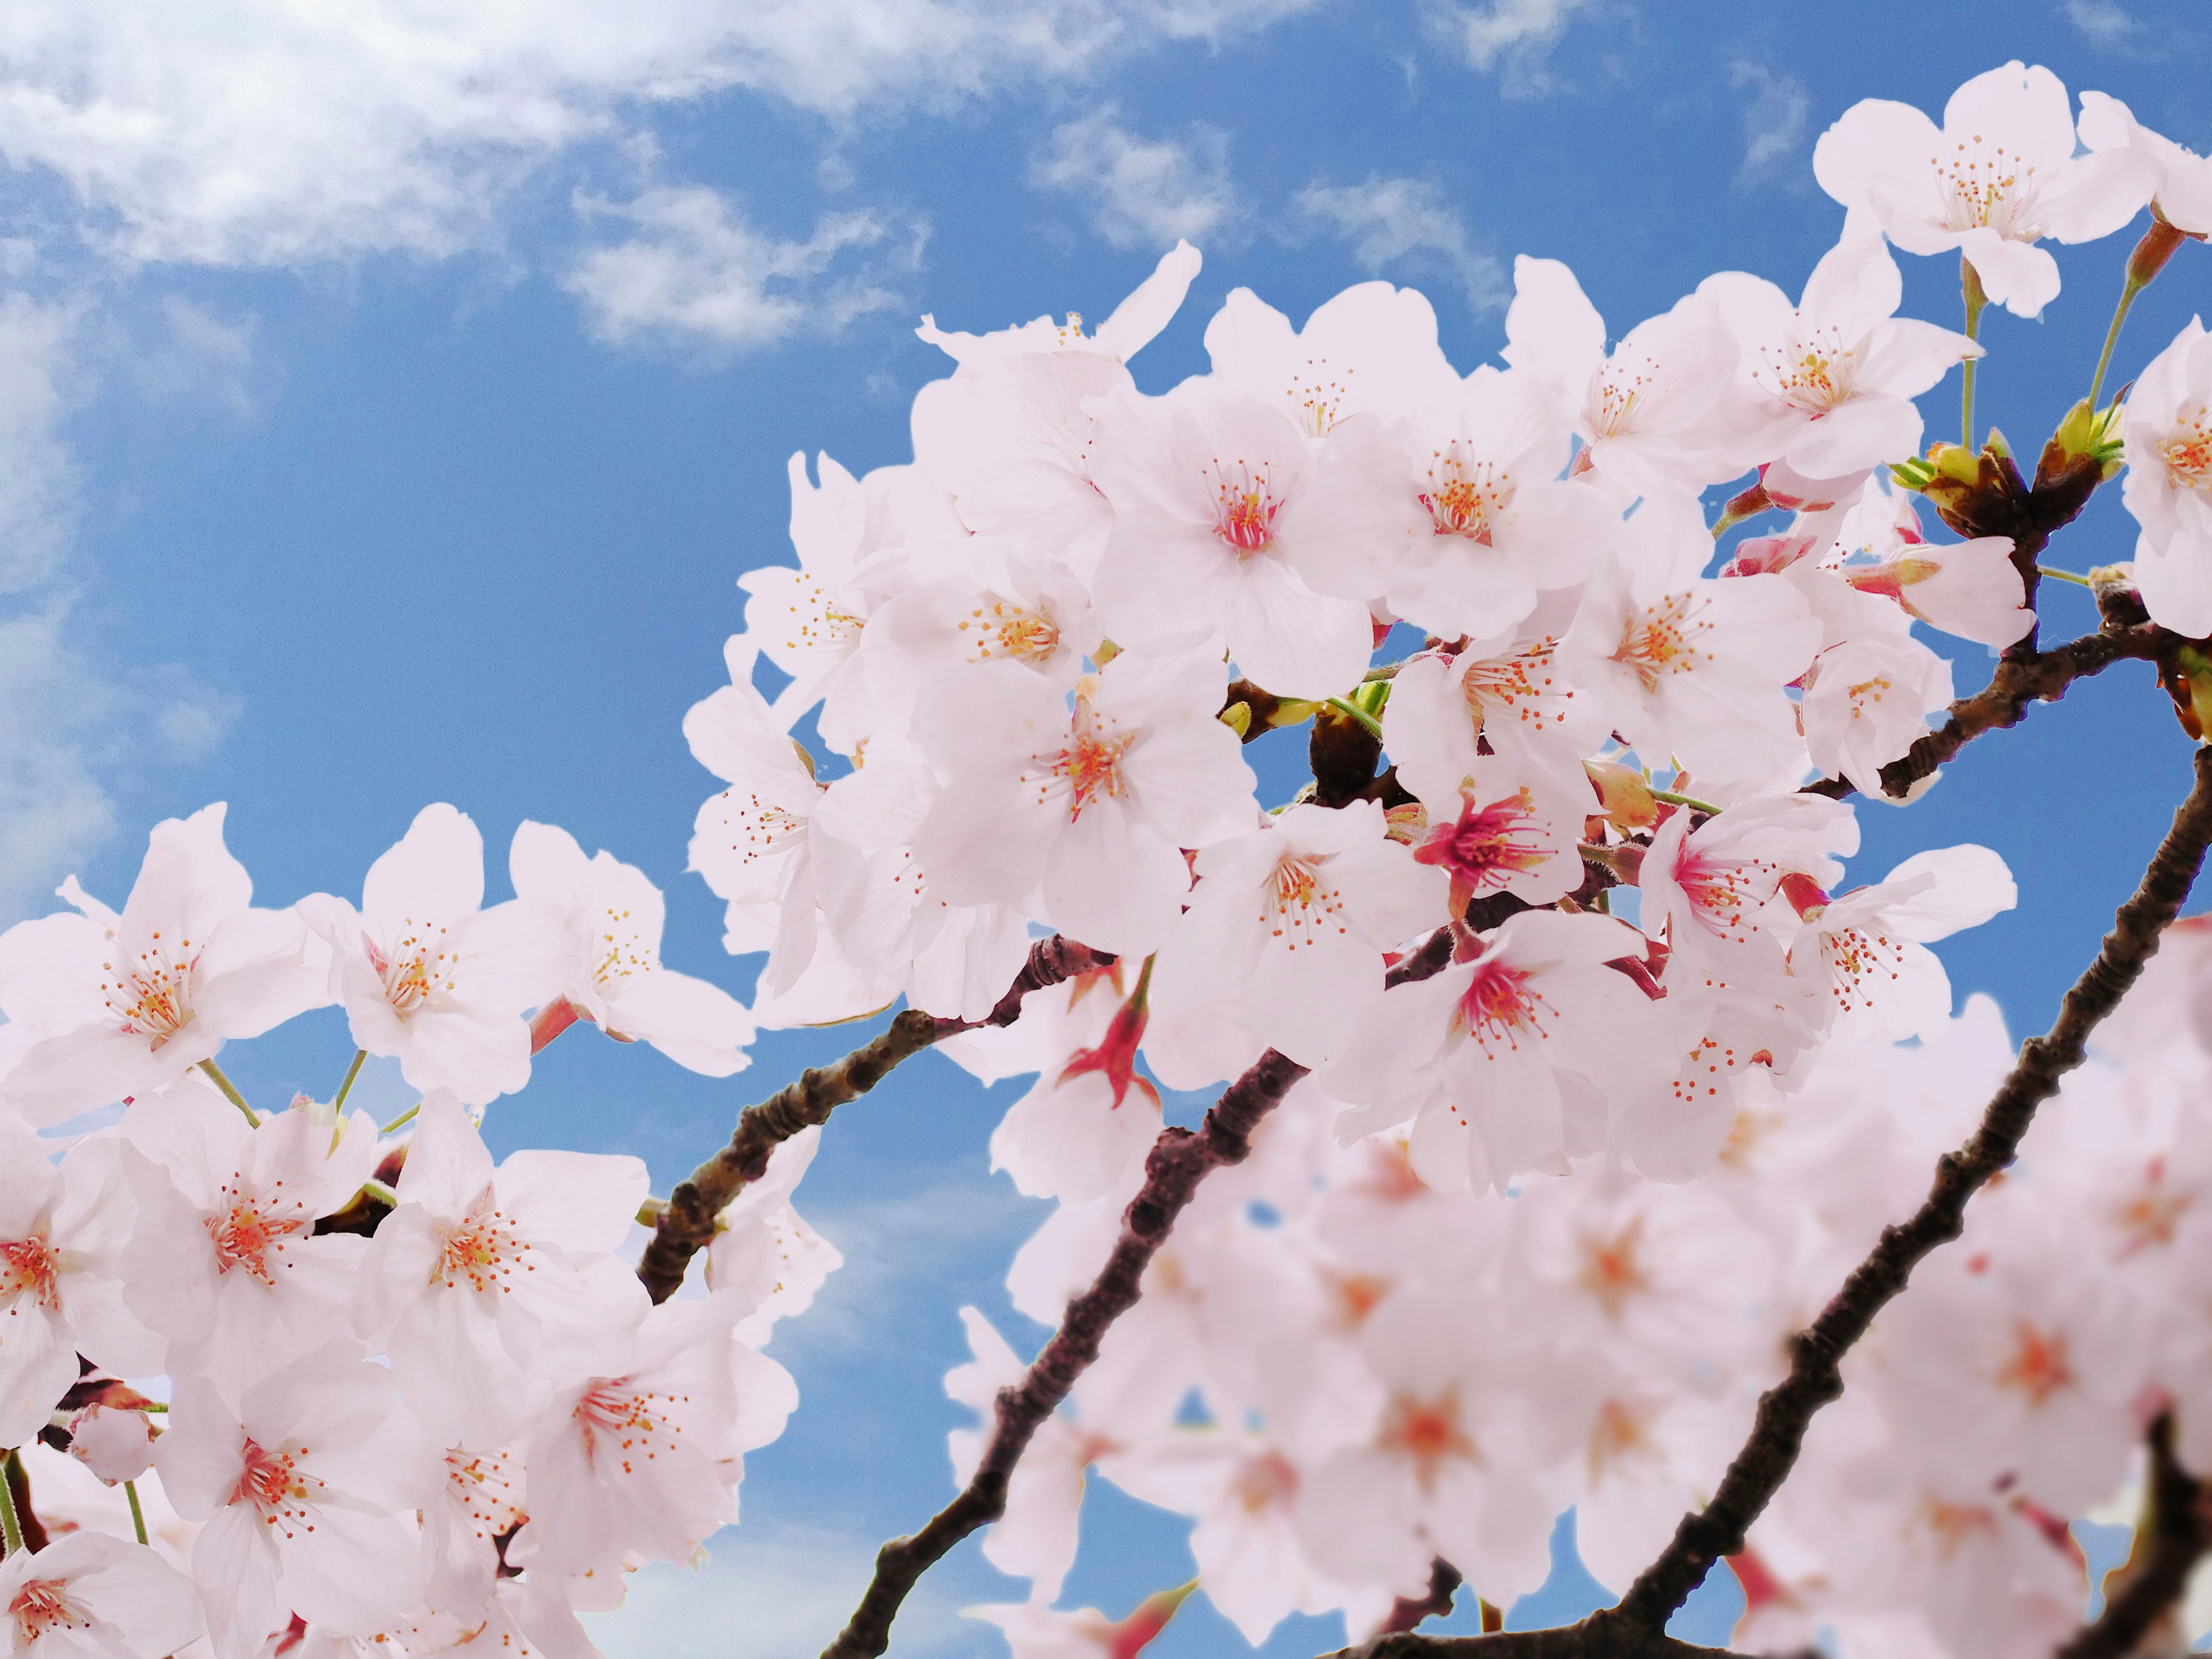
x,y
1532,1231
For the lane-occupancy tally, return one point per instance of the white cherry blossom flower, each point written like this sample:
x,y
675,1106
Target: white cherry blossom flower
x,y
1133,325
763,1253
88,1596
1088,811
224,1260
1503,1063
2168,485
306,1492
1971,588
1714,893
2181,193
1660,412
1996,178
618,980
808,620
1867,701
1228,523
1371,350
1514,825
1514,695
114,1005
62,1230
645,1463
1036,1630
484,1278
428,974
1285,939
1834,376
1866,953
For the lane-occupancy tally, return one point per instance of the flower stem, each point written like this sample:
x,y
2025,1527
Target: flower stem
x,y
2063,575
352,1071
1969,283
402,1121
1389,671
1690,801
229,1091
137,1515
11,1529
2112,338
1354,712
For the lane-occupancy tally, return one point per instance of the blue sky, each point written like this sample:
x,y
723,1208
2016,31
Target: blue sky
x,y
387,409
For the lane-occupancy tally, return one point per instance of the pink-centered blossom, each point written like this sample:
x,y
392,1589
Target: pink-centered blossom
x,y
88,1596
2168,482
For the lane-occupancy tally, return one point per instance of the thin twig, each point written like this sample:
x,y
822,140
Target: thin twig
x,y
1637,1626
2168,1544
1179,1161
2040,676
687,1224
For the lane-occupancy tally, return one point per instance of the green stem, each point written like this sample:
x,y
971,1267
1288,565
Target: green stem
x,y
402,1121
229,1091
137,1515
352,1071
1690,801
1389,671
2112,338
1970,282
2063,576
1357,714
11,1529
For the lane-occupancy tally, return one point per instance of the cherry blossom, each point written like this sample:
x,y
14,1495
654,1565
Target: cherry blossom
x,y
2182,191
426,974
618,979
306,1496
483,1277
1835,375
113,1006
2168,485
1083,813
1998,176
87,1595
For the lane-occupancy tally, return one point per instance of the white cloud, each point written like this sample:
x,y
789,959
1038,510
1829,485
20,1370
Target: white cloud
x,y
695,267
1511,36
70,727
1408,225
1146,192
770,1591
2102,22
264,132
1773,121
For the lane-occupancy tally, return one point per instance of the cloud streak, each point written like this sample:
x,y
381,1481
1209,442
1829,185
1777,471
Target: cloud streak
x,y
1405,225
1150,192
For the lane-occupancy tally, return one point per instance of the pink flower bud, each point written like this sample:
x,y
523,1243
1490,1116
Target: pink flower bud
x,y
113,1444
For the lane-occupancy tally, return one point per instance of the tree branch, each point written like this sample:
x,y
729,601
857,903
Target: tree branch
x,y
687,1226
1178,1162
2169,1541
1637,1626
2040,676
1408,1611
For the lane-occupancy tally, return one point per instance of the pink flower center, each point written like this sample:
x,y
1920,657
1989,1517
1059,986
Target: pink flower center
x,y
1488,845
1300,907
1977,188
272,1484
2037,1365
247,1228
1859,962
623,1423
1006,629
43,1605
151,996
482,1485
417,969
1465,498
2188,452
1662,641
27,1266
1426,1433
1612,1270
1264,1482
1722,890
1244,510
1951,1526
1499,1005
1518,686
1812,372
1621,1435
483,1249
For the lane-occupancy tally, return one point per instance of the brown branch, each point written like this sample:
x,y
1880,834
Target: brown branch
x,y
687,1226
1407,1611
1582,1641
1179,1161
2037,677
2170,1540
1637,1626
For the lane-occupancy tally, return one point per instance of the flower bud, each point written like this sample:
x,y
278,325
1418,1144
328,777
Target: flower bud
x,y
1624,794
114,1444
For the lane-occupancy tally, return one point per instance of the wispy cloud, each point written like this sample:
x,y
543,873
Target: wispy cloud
x,y
767,1592
1512,38
694,266
2102,23
1774,118
1146,192
1405,225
